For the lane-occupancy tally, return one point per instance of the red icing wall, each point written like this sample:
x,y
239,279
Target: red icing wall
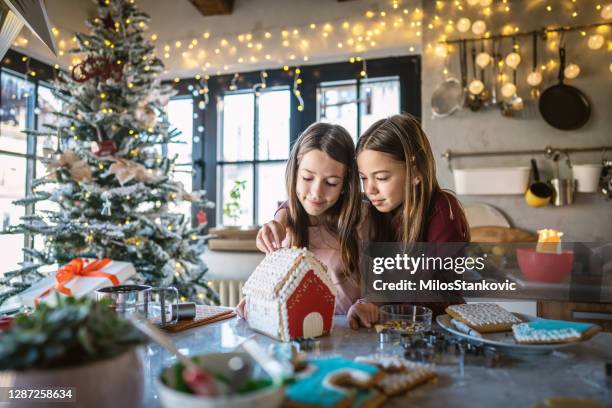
x,y
312,295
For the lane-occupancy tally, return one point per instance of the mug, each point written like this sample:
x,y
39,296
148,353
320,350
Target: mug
x,y
563,191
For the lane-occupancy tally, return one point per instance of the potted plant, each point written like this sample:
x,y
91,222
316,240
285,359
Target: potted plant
x,y
81,345
232,209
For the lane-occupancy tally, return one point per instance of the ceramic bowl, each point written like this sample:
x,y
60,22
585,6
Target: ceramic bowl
x,y
271,396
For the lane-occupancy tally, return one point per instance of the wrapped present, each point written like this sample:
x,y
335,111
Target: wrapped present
x,y
79,278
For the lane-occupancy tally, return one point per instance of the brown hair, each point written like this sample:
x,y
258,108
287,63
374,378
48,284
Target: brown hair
x,y
342,218
402,137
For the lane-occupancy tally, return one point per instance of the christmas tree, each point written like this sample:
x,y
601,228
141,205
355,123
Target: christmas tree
x,y
112,187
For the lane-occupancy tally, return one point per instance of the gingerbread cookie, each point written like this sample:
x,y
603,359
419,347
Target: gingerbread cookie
x,y
402,375
544,331
336,382
483,317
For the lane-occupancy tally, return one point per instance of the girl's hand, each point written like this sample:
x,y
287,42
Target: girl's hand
x,y
241,309
270,237
362,314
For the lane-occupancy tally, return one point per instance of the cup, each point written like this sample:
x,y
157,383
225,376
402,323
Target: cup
x,y
563,191
163,306
587,177
126,299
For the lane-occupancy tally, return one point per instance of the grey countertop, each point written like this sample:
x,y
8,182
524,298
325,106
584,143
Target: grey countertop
x,y
577,371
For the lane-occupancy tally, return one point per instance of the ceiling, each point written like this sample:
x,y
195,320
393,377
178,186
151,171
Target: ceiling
x,y
258,34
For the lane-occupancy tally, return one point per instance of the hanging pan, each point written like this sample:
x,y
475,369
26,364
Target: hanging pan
x,y
448,96
563,106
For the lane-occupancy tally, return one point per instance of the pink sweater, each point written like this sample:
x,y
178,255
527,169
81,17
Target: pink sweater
x,y
326,248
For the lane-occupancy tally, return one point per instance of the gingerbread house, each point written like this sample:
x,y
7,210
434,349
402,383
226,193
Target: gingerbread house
x,y
290,295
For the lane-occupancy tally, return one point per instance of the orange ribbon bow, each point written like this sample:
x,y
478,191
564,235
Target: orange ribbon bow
x,y
78,268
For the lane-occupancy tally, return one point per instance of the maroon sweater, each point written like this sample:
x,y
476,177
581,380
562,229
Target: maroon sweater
x,y
447,223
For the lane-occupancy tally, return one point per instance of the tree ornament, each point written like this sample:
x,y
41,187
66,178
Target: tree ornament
x,y
96,67
145,116
104,148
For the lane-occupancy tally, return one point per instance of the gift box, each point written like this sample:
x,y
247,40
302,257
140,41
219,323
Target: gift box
x,y
79,278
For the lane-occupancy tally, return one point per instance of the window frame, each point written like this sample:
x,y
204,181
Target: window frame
x,y
256,160
30,156
407,68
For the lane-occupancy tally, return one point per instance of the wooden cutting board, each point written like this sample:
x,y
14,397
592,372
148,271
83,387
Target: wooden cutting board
x,y
215,314
496,235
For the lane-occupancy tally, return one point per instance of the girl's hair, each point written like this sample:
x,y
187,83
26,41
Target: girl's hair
x,y
402,137
342,218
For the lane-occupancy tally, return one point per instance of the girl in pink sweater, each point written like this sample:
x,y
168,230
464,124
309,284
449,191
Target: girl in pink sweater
x,y
323,212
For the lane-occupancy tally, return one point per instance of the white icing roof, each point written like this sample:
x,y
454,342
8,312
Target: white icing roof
x,y
281,270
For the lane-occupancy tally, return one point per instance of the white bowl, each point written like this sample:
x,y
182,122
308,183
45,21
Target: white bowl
x,y
271,396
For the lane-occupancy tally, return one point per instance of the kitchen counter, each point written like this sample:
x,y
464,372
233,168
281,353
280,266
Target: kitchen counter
x,y
576,371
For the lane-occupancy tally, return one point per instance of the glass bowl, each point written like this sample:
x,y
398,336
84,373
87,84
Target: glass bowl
x,y
405,319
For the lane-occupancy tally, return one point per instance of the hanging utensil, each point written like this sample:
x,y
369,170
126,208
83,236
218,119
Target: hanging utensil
x,y
494,72
485,95
563,106
515,103
448,96
475,87
463,68
564,188
539,193
534,79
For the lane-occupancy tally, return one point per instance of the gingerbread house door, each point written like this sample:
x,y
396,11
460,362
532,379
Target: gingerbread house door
x,y
312,326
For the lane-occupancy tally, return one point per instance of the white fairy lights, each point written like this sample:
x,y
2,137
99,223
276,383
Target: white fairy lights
x,y
572,71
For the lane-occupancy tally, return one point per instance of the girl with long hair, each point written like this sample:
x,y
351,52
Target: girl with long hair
x,y
322,212
398,174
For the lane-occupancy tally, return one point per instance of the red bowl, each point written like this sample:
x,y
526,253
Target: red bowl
x,y
545,266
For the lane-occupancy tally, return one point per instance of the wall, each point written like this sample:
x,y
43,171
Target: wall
x,y
590,218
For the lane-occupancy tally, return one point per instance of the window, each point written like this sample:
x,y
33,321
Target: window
x,y
16,114
253,147
180,116
357,104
